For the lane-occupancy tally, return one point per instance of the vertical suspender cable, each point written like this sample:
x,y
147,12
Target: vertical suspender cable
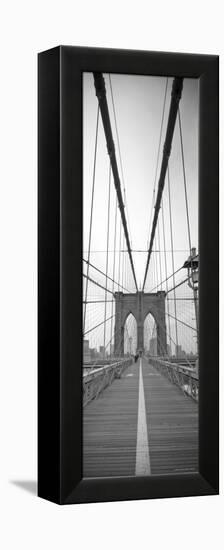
x,y
175,98
108,237
91,214
165,261
160,266
125,268
156,262
119,257
114,263
153,268
171,238
123,259
119,151
187,212
101,95
157,161
185,185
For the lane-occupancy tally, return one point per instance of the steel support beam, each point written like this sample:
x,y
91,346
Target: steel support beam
x,y
174,105
101,95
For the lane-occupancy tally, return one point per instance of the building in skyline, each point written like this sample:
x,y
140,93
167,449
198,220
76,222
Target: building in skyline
x,y
153,346
86,351
102,352
180,353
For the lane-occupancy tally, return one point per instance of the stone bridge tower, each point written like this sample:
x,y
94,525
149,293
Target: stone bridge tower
x,y
140,304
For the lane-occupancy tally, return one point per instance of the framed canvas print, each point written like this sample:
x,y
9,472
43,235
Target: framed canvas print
x,y
128,275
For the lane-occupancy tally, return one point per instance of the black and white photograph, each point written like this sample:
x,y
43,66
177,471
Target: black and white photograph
x,y
141,287
112,250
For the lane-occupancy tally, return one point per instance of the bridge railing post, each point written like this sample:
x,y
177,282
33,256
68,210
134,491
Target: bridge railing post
x,y
186,378
99,379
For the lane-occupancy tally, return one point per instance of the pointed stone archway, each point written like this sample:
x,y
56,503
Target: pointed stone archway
x,y
130,334
140,304
150,336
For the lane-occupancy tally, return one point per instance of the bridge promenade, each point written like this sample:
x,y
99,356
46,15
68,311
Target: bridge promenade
x,y
140,280
141,424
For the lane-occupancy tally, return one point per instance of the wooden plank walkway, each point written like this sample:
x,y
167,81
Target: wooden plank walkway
x,y
172,425
110,425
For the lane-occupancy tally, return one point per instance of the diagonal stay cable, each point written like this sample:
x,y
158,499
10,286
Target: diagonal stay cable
x,y
99,324
179,320
187,360
101,95
176,286
175,99
166,279
104,274
97,284
98,301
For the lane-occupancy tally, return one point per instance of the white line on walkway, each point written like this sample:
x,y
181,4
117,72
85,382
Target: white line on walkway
x,y
142,467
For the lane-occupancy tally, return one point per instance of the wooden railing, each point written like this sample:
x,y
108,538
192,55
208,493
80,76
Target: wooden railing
x,y
98,379
185,377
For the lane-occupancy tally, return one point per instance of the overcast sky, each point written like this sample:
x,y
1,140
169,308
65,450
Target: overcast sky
x,y
138,104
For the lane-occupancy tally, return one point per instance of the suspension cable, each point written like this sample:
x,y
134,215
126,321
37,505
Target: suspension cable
x,y
165,260
173,343
91,212
187,212
123,259
172,254
176,286
99,301
96,283
160,265
156,262
119,151
175,99
167,278
99,324
101,95
119,255
178,319
104,274
108,237
157,160
114,261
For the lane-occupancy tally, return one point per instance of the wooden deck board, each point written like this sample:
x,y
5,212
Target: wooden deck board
x,y
110,427
172,419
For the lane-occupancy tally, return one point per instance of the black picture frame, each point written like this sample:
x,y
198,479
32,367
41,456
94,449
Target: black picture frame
x,y
60,274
